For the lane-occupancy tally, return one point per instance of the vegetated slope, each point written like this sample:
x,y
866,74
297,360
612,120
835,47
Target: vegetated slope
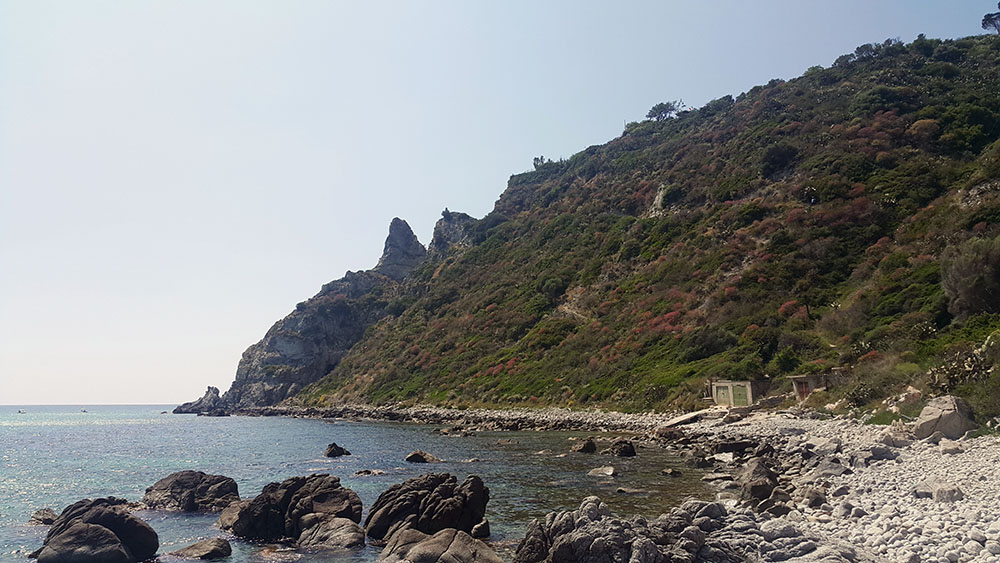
x,y
802,226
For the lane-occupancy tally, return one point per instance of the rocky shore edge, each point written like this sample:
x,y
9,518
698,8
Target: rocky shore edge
x,y
796,485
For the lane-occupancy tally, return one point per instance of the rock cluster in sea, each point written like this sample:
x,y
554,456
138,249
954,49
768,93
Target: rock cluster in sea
x,y
99,530
192,491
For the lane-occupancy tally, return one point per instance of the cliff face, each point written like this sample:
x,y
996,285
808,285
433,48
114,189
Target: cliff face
x,y
305,345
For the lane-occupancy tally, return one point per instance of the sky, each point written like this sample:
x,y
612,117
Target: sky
x,y
176,176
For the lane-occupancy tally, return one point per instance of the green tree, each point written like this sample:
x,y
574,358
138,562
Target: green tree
x,y
992,20
664,110
971,277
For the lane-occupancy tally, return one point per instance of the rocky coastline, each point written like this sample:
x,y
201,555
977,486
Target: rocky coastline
x,y
840,489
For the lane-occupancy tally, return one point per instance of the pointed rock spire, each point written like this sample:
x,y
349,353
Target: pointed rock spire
x,y
402,251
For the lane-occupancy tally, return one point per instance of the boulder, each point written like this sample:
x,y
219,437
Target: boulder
x,y
332,532
192,491
215,548
949,415
421,456
603,471
448,545
621,448
43,517
285,510
429,503
585,447
333,450
99,530
938,490
756,480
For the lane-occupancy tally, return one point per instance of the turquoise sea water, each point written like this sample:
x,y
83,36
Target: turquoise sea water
x,y
51,456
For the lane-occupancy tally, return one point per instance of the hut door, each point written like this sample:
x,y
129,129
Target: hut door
x,y
722,395
740,398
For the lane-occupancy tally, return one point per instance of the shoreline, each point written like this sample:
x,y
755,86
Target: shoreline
x,y
836,481
502,420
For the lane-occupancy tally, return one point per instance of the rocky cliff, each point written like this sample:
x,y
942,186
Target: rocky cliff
x,y
305,345
209,402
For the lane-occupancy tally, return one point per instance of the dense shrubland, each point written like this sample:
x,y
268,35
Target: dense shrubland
x,y
844,219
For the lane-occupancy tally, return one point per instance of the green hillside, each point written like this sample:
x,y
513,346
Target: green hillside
x,y
844,219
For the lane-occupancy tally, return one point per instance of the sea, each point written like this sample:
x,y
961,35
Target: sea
x,y
52,456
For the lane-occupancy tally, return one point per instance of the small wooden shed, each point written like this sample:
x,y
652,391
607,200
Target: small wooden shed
x,y
736,393
806,384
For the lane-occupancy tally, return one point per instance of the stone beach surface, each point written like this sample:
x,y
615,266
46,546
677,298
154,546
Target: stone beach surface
x,y
873,512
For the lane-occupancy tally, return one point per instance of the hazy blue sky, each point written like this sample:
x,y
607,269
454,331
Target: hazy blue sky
x,y
176,176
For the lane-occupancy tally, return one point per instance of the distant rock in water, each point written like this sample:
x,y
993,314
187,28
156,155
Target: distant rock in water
x,y
310,342
209,402
333,450
98,531
43,517
192,491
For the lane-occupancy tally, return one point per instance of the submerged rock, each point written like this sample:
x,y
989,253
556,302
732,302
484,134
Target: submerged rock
x,y
214,548
585,447
99,531
192,491
621,448
43,517
429,503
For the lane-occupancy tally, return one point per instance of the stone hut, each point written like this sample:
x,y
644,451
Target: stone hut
x,y
736,393
806,384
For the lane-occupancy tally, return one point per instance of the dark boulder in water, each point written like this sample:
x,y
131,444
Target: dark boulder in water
x,y
283,511
421,456
333,450
621,448
428,503
99,530
215,548
192,491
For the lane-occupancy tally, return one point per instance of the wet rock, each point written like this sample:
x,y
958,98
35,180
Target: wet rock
x,y
331,532
620,448
333,450
585,447
603,471
949,415
99,530
43,517
448,545
671,472
421,456
215,548
192,491
428,503
368,472
282,510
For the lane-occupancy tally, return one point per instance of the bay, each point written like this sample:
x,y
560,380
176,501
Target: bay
x,y
51,456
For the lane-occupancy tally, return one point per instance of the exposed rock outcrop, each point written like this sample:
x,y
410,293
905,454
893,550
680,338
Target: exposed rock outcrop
x,y
333,450
287,510
209,402
192,491
214,548
308,343
451,233
454,546
429,503
402,251
43,517
99,530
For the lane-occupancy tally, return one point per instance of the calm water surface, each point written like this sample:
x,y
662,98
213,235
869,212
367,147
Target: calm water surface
x,y
52,456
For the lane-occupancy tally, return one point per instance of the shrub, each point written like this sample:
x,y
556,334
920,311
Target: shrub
x,y
971,277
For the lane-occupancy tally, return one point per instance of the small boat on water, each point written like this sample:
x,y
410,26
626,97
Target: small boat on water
x,y
83,410
20,411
